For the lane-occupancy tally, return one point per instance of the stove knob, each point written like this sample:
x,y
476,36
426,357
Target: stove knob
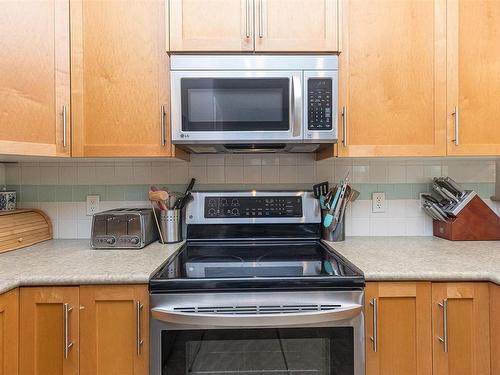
x,y
235,212
211,202
111,241
223,201
134,241
211,212
235,202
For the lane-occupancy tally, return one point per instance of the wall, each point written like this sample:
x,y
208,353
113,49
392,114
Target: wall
x,y
60,187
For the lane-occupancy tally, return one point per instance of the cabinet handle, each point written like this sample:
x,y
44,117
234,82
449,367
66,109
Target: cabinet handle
x,y
67,344
374,337
444,339
247,30
261,35
456,125
64,126
162,125
344,126
138,310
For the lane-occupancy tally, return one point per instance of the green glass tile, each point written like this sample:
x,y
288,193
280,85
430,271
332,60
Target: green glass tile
x,y
402,191
16,188
29,193
134,192
80,193
144,196
470,186
64,193
366,190
416,189
486,190
99,190
115,192
46,193
388,189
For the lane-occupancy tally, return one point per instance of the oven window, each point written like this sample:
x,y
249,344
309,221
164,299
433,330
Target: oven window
x,y
235,104
319,351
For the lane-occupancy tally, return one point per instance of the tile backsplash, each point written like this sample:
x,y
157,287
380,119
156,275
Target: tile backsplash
x,y
60,187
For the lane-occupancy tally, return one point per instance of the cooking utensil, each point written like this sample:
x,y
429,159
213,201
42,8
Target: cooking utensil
x,y
181,202
320,189
354,195
329,215
161,197
346,190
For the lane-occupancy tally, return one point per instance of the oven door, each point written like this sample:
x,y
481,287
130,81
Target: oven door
x,y
316,335
224,107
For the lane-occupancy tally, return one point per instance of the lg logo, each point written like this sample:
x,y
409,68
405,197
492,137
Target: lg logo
x,y
184,135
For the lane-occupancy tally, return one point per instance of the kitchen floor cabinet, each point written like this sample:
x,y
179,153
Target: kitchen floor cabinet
x,y
114,329
253,25
119,77
461,335
9,332
48,334
393,78
35,78
398,328
473,77
495,328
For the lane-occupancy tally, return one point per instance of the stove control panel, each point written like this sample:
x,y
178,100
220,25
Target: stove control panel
x,y
247,207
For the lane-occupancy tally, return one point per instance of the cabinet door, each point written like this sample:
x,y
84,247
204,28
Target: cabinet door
x,y
48,331
114,329
393,78
9,332
296,25
461,337
398,328
495,328
211,25
473,77
120,80
34,78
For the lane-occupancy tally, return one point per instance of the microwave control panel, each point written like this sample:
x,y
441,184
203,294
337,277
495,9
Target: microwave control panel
x,y
319,100
247,207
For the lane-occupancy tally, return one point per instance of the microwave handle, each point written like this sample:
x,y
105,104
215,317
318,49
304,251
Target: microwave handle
x,y
296,102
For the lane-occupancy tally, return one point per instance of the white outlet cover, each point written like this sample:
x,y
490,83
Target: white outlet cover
x,y
92,204
378,202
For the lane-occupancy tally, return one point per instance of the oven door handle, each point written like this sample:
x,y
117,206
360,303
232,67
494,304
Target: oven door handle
x,y
296,102
255,320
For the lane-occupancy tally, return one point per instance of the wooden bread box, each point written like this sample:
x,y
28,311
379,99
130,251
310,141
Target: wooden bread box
x,y
21,228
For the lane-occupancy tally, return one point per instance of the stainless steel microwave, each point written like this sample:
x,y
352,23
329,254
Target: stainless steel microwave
x,y
245,103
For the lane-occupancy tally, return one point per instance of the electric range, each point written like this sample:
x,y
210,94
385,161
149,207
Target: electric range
x,y
252,287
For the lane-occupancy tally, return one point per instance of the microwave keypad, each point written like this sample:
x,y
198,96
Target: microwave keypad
x,y
319,96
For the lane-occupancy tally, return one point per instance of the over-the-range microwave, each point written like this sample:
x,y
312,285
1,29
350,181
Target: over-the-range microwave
x,y
248,103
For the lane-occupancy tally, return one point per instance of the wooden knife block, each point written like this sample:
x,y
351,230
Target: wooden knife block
x,y
476,222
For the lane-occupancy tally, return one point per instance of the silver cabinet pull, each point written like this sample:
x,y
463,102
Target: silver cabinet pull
x,y
64,126
344,126
162,125
261,24
67,344
140,341
374,338
456,125
247,12
444,339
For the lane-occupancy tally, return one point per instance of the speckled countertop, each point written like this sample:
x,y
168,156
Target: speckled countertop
x,y
422,258
60,262
65,262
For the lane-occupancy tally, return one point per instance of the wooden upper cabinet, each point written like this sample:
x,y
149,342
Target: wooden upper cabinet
x,y
211,25
114,330
48,331
393,78
474,77
9,332
296,25
401,342
461,336
34,77
120,80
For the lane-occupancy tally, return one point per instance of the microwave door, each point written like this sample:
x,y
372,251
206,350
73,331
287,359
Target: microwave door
x,y
236,107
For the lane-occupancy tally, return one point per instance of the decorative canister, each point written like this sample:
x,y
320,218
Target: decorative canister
x,y
7,200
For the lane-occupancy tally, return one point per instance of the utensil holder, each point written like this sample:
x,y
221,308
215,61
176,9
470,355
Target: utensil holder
x,y
336,235
171,226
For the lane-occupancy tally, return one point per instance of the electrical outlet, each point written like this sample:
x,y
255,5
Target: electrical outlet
x,y
92,204
378,202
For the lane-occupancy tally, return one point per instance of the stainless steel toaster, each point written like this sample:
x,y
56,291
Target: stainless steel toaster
x,y
123,228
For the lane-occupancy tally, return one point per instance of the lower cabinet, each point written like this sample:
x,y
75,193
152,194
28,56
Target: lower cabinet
x,y
495,328
461,329
9,332
48,333
114,329
398,328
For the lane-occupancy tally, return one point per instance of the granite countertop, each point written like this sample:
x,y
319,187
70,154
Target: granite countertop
x,y
422,258
65,262
72,262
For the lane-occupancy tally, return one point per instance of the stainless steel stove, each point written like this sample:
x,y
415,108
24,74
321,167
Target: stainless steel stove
x,y
254,290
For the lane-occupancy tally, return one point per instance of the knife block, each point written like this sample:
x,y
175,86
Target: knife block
x,y
475,222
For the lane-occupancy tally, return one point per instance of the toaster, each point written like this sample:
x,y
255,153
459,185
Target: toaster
x,y
123,228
